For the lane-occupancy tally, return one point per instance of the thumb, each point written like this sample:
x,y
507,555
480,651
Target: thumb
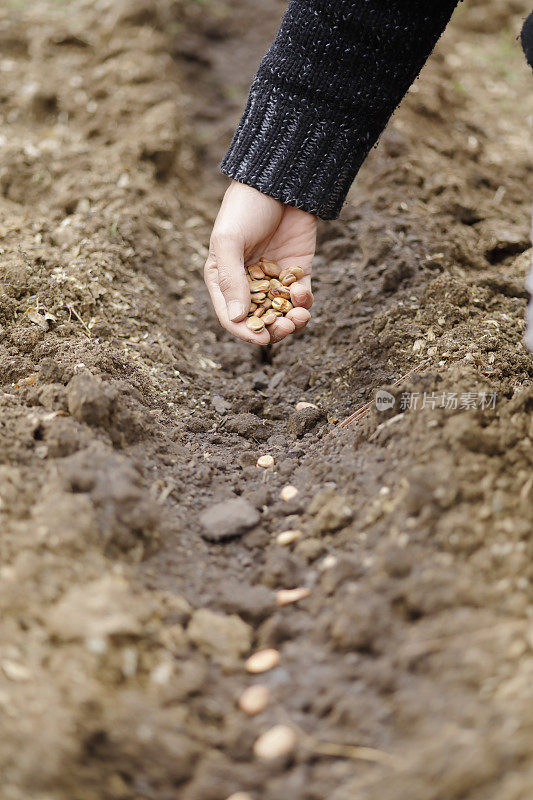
x,y
229,259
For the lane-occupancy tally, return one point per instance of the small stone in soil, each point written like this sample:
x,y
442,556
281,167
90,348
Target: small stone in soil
x,y
228,519
262,661
286,596
254,699
278,741
265,461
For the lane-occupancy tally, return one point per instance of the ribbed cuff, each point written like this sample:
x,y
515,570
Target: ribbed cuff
x,y
304,156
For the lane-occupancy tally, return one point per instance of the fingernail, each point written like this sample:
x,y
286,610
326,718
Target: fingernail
x,y
235,310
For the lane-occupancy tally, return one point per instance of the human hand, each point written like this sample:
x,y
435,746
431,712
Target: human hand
x,y
250,225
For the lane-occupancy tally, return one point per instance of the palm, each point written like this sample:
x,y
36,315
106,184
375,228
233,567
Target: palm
x,y
293,241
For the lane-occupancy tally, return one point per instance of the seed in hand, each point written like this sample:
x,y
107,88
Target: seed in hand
x,y
269,292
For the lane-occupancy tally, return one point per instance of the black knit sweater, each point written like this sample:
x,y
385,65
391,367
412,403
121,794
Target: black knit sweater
x,y
325,91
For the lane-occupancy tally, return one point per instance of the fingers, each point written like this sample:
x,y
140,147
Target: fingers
x,y
301,294
228,256
281,328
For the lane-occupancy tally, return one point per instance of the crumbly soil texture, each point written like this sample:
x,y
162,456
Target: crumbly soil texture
x,y
128,604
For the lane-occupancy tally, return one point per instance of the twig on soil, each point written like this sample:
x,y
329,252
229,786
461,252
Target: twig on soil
x,y
363,410
73,311
354,752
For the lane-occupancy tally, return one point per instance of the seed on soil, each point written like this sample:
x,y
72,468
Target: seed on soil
x,y
265,461
278,741
288,493
254,699
302,404
262,661
287,596
288,537
255,324
240,796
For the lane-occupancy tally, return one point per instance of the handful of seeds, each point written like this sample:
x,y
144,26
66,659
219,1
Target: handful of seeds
x,y
270,292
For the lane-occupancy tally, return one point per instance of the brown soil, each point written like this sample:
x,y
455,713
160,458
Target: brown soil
x,y
126,411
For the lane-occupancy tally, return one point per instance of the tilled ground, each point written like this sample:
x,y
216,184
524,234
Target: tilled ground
x,y
126,412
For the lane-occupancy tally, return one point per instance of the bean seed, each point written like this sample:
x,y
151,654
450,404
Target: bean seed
x,y
240,796
262,661
276,742
302,404
252,308
288,537
270,267
297,272
265,461
275,284
259,311
269,316
258,297
256,273
280,291
254,699
267,302
286,596
280,304
288,493
255,324
260,286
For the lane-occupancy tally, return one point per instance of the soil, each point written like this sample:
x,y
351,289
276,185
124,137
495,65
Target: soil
x,y
127,412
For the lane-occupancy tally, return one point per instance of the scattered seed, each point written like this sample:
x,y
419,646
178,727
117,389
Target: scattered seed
x,y
254,699
288,537
262,661
288,493
300,406
265,461
240,796
255,324
278,741
287,596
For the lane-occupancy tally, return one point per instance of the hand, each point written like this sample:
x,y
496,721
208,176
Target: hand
x,y
250,225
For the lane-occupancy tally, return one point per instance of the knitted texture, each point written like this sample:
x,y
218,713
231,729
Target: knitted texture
x,y
324,92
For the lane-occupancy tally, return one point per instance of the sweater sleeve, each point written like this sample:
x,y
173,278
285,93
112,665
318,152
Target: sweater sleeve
x,y
324,92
